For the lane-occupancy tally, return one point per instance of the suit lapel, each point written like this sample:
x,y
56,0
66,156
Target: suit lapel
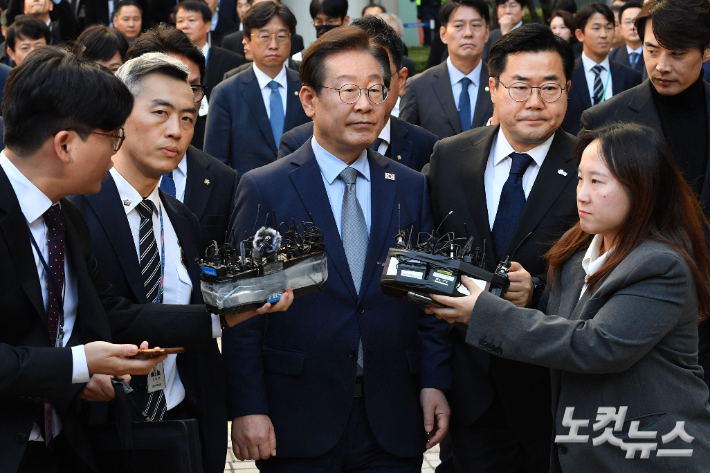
x,y
617,77
383,192
484,106
110,213
441,84
197,194
253,98
572,279
580,85
549,184
309,184
293,102
642,103
14,228
400,146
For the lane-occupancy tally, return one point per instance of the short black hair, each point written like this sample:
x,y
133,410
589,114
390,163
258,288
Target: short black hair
x,y
54,89
501,2
195,6
260,14
628,5
565,5
371,5
383,34
450,6
336,41
126,3
101,43
587,11
167,39
28,27
330,8
677,24
530,38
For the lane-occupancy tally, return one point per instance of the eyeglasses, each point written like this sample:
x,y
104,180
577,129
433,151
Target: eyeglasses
x,y
265,38
520,91
118,135
198,91
350,93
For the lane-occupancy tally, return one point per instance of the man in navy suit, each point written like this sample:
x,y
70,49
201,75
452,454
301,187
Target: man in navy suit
x,y
251,110
596,78
407,144
631,52
351,380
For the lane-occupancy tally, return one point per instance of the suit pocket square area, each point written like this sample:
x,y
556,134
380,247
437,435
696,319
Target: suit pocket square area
x,y
283,361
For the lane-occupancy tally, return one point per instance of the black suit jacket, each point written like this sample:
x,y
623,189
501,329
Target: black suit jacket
x,y
411,145
202,374
64,25
493,36
238,127
622,78
233,42
224,27
621,55
291,64
219,61
209,194
428,101
30,369
456,180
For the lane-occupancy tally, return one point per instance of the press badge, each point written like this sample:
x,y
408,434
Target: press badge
x,y
156,378
204,107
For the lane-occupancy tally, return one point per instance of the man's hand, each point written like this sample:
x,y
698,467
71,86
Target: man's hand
x,y
282,305
458,309
253,437
521,287
506,24
100,388
436,415
115,360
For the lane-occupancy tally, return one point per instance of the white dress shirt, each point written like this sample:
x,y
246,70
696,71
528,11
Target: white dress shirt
x,y
34,203
177,286
180,179
386,136
395,110
593,261
330,169
605,77
498,170
639,51
455,76
264,80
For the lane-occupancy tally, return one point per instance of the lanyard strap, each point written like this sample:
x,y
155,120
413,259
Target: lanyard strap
x,y
55,287
162,255
606,87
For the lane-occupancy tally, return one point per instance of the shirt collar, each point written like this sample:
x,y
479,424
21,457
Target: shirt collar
x,y
503,149
331,167
182,166
206,50
131,196
215,20
589,64
264,80
33,202
455,75
593,261
520,23
630,50
386,133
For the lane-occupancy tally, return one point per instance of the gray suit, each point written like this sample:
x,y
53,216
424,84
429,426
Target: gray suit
x,y
428,101
633,343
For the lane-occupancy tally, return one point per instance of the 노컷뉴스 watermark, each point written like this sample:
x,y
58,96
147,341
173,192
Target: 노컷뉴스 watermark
x,y
642,438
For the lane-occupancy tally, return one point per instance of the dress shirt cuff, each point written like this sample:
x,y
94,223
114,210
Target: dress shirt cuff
x,y
80,371
216,326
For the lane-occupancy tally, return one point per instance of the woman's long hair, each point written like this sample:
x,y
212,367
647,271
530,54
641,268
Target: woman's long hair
x,y
662,206
569,22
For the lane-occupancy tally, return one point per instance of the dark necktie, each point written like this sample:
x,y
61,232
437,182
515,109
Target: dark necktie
x,y
277,112
354,235
56,228
465,105
598,86
376,145
633,59
167,184
512,201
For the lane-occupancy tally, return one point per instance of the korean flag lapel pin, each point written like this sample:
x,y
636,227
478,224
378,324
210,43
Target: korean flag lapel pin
x,y
562,172
389,176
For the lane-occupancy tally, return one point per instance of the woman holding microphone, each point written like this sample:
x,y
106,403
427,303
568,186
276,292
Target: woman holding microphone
x,y
618,322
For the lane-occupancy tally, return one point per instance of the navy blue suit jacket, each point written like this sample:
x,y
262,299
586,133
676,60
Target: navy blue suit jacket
x,y
411,145
202,374
622,78
299,366
621,55
238,128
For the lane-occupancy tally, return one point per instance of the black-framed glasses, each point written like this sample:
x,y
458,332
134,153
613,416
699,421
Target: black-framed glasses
x,y
199,92
350,93
520,91
118,135
265,38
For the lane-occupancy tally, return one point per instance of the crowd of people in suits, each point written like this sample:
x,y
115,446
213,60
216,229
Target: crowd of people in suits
x,y
577,149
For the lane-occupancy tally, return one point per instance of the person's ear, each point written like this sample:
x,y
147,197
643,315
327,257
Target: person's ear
x,y
488,32
579,34
403,73
11,53
308,97
63,144
442,34
346,20
706,55
493,88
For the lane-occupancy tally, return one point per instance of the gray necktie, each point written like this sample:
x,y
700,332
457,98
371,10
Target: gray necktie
x,y
354,235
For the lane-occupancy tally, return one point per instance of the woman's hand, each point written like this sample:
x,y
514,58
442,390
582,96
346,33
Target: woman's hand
x,y
458,309
521,287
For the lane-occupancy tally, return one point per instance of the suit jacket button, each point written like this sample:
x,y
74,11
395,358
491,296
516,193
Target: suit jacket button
x,y
352,353
360,309
21,438
562,448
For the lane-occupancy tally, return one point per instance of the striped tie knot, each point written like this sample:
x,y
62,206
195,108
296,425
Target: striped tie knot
x,y
146,209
